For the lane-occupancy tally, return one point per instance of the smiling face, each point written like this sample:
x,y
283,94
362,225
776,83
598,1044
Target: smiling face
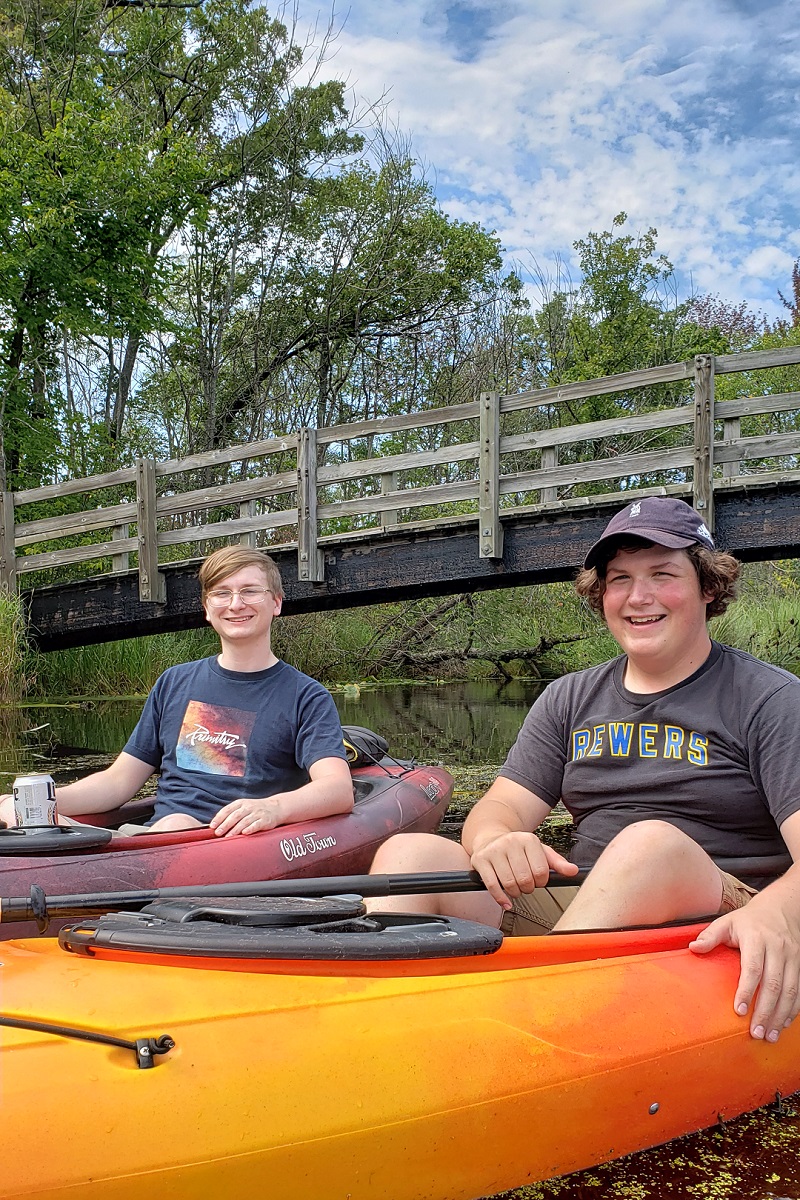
x,y
655,610
239,623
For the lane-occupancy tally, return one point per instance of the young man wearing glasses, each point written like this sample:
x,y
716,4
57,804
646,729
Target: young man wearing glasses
x,y
242,741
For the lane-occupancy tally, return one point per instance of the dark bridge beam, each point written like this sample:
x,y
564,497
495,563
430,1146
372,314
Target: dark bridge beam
x,y
756,525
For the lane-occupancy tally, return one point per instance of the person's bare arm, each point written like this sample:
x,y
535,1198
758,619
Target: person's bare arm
x,y
767,934
498,835
328,792
99,792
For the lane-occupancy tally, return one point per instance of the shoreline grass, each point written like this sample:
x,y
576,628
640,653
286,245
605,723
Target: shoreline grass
x,y
403,642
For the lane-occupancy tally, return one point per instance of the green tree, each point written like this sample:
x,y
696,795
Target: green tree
x,y
119,126
281,322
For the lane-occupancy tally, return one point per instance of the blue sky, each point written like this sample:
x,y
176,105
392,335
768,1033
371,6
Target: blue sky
x,y
543,120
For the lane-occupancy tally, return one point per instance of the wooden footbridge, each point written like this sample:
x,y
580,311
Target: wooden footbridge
x,y
503,491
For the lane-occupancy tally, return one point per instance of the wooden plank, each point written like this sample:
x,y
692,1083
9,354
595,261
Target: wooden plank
x,y
490,531
663,418
248,509
438,493
389,483
310,562
196,533
704,437
568,475
748,406
364,468
771,445
73,487
152,586
74,554
227,493
774,480
732,432
549,460
423,419
122,561
647,377
47,529
8,570
213,458
757,360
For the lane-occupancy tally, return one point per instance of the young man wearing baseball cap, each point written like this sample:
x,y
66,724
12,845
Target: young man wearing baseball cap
x,y
679,751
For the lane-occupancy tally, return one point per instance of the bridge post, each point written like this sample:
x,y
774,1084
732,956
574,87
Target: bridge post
x,y
547,495
8,553
310,561
152,585
489,529
120,562
389,483
247,508
703,485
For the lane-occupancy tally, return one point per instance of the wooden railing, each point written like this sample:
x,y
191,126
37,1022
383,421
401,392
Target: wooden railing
x,y
296,491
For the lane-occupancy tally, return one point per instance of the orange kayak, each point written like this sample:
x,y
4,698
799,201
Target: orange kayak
x,y
456,1070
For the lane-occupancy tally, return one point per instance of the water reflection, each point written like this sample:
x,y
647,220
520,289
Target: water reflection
x,y
461,723
464,723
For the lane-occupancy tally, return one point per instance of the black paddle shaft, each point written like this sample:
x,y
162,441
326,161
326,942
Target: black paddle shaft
x,y
41,908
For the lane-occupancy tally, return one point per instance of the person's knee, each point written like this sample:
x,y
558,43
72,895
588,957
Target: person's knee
x,y
411,852
174,822
644,838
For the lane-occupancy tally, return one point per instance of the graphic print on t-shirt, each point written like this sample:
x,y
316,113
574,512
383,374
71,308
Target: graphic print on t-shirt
x,y
214,740
630,739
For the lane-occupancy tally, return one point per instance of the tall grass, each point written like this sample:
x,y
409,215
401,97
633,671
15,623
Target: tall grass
x,y
17,662
356,644
124,668
769,629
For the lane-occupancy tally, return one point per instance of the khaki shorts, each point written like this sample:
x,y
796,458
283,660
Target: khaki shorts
x,y
538,912
128,830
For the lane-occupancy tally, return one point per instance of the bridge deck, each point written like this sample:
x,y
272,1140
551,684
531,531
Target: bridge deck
x,y
757,523
502,491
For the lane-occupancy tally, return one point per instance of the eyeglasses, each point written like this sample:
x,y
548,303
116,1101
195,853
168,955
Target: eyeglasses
x,y
248,595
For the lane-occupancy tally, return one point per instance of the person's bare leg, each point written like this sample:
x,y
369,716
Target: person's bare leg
x,y
651,872
174,821
411,853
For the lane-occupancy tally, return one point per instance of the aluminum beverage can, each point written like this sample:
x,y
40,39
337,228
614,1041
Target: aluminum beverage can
x,y
35,800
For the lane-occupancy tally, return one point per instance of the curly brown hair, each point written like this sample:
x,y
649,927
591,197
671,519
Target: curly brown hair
x,y
717,573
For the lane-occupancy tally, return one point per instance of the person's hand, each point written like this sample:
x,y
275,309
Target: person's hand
x,y
247,816
767,936
8,818
516,863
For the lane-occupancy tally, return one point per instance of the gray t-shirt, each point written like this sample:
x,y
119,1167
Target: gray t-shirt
x,y
216,735
717,755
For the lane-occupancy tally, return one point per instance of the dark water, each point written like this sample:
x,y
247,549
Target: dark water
x,y
464,726
460,723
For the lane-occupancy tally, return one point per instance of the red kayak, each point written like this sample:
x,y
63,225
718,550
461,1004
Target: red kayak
x,y
389,798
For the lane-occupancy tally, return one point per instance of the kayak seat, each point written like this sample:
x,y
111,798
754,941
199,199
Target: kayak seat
x,y
280,928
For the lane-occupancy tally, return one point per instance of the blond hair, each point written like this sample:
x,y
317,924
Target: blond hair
x,y
230,559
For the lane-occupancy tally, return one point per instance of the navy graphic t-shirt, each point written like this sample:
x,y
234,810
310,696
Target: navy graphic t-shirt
x,y
215,735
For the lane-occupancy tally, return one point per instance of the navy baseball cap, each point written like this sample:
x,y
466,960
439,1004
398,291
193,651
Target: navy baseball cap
x,y
660,519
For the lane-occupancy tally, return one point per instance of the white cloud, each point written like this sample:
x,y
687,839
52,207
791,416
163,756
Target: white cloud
x,y
679,113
